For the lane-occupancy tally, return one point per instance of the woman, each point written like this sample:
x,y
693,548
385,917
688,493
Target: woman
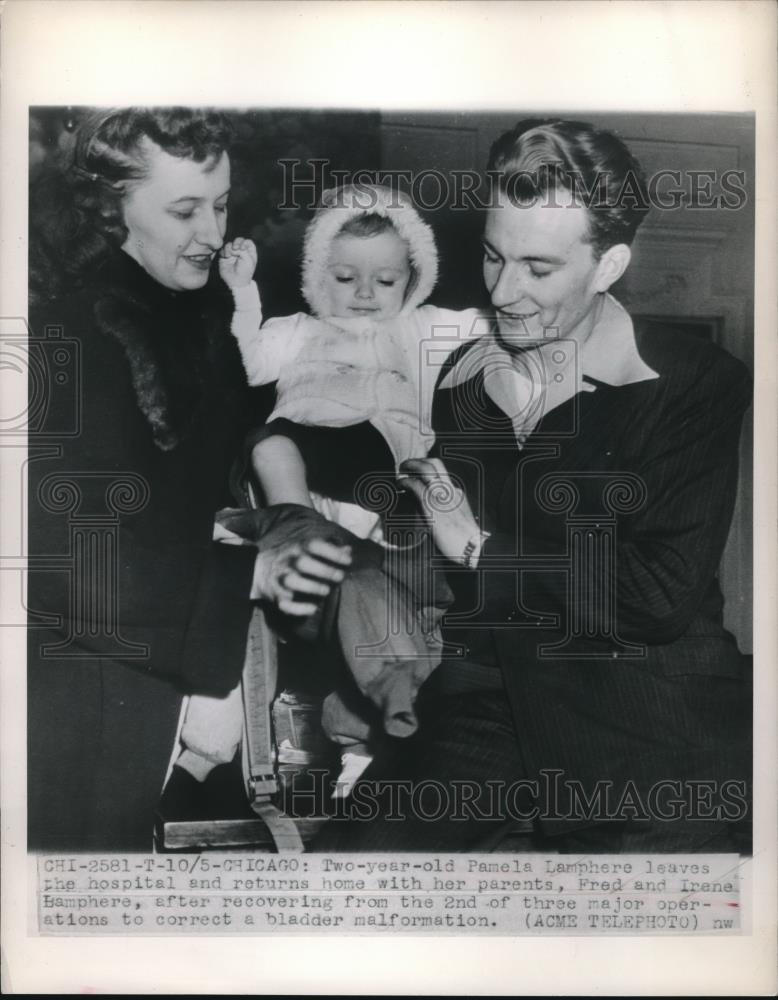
x,y
131,602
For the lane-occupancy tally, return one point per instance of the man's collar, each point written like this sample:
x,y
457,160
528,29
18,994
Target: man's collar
x,y
528,385
609,355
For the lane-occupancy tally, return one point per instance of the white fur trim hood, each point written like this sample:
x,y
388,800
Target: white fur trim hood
x,y
340,205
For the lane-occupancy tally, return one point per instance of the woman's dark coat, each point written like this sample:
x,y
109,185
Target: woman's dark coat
x,y
138,406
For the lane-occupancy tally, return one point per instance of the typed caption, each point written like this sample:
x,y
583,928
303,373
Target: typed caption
x,y
509,894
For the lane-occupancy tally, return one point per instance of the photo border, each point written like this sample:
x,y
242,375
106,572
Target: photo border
x,y
618,56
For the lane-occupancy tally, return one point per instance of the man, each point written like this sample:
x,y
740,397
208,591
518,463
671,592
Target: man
x,y
591,469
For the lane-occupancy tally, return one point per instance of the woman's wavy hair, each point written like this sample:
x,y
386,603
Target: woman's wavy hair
x,y
76,213
543,157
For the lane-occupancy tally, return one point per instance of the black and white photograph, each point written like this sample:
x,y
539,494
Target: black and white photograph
x,y
387,483
462,462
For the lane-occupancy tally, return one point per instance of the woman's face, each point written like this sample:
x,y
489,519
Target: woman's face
x,y
176,217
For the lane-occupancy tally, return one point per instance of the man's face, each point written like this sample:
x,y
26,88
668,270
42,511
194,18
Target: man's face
x,y
541,273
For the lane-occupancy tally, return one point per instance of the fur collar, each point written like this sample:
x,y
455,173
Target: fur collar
x,y
167,339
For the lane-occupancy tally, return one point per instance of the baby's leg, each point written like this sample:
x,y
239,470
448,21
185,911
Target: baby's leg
x,y
280,469
344,725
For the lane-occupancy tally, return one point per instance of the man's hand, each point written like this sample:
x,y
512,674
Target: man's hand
x,y
443,503
297,577
237,262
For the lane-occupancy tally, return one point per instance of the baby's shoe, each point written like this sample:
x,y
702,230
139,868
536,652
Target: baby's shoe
x,y
353,765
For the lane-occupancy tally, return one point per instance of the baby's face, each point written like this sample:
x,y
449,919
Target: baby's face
x,y
367,276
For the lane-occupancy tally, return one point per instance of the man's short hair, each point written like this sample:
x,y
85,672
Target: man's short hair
x,y
545,157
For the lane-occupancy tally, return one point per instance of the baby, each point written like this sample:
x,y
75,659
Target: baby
x,y
353,403
354,367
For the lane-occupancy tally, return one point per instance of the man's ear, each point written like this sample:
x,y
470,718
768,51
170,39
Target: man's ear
x,y
613,263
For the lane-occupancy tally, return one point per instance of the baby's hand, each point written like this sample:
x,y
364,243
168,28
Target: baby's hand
x,y
237,262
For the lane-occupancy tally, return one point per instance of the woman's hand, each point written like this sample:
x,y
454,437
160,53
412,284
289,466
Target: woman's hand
x,y
443,503
238,262
298,577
